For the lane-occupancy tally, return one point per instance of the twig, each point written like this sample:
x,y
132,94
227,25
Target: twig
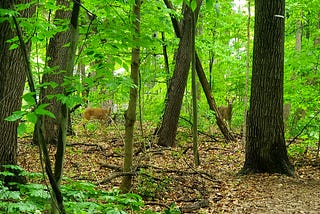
x,y
305,126
191,208
151,203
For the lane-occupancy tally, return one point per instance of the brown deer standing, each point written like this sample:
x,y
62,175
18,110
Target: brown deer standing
x,y
226,111
101,114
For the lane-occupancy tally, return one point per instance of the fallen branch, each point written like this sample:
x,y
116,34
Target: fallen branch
x,y
305,126
200,132
110,166
86,144
203,174
191,208
150,203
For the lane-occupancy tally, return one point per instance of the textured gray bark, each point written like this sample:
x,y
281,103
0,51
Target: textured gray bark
x,y
265,146
12,82
168,129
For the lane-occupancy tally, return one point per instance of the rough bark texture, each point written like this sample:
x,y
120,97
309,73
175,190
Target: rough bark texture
x,y
265,146
57,54
204,82
12,82
169,124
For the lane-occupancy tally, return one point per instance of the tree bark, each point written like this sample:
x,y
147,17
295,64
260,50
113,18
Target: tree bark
x,y
130,115
12,82
265,146
168,129
57,54
211,101
204,82
196,158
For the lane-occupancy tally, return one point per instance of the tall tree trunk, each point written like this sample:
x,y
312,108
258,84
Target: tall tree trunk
x,y
204,82
299,33
245,100
64,111
12,82
73,27
130,116
168,129
57,53
211,101
196,158
265,146
317,39
166,59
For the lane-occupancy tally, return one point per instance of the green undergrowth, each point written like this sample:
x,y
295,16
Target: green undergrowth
x,y
79,197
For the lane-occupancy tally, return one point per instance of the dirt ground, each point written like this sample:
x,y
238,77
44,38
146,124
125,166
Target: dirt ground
x,y
167,175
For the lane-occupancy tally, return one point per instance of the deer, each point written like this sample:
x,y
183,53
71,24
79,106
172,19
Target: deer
x,y
102,114
226,111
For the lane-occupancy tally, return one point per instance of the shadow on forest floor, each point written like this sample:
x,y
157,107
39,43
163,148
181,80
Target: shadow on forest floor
x,y
167,175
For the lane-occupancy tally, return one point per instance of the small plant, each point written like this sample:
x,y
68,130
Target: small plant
x,y
172,209
79,197
149,186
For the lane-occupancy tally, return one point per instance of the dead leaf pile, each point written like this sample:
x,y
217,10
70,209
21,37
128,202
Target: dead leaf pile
x,y
166,176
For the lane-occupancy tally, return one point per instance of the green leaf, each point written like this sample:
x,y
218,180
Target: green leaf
x,y
32,117
14,46
15,116
6,173
194,5
21,128
14,167
13,195
6,12
209,4
42,111
29,98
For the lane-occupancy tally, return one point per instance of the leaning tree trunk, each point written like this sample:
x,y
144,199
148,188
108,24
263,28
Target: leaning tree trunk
x,y
168,129
12,82
204,82
265,146
57,53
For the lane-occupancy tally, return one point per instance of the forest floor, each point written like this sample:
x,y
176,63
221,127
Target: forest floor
x,y
167,176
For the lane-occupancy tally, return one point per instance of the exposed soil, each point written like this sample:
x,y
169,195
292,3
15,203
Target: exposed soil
x,y
168,175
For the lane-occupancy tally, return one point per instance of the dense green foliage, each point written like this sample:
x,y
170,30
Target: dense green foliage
x,y
103,58
79,197
102,73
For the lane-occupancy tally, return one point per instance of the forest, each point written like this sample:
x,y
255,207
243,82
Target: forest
x,y
159,106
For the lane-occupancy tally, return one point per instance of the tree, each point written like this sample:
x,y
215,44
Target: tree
x,y
130,115
178,83
265,143
12,82
52,80
168,134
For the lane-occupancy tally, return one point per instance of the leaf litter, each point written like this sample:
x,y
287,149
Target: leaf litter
x,y
167,176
